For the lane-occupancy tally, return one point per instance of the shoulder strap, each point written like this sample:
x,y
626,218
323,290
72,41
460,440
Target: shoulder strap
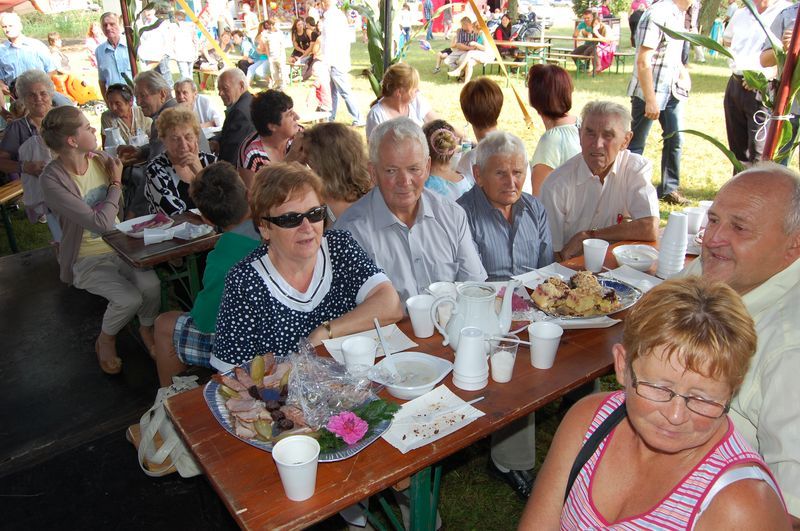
x,y
591,445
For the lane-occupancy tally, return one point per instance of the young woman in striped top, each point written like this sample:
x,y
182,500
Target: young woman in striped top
x,y
674,459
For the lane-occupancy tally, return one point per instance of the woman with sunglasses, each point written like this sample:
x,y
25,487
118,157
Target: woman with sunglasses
x,y
665,454
300,282
123,114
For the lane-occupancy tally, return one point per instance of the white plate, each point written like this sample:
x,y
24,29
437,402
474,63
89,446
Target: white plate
x,y
127,226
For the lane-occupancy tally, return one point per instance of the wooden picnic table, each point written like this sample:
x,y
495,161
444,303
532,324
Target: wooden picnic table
x,y
10,193
136,254
247,480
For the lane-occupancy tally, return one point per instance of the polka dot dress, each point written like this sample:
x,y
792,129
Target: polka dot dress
x,y
261,313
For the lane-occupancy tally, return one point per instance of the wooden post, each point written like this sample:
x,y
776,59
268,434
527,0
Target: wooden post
x,y
782,102
128,28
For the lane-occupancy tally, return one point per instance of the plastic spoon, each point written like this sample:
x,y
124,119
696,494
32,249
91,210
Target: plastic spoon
x,y
388,362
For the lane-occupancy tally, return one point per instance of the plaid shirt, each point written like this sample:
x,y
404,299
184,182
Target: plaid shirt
x,y
666,59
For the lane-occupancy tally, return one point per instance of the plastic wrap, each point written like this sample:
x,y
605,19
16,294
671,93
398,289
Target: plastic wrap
x,y
321,387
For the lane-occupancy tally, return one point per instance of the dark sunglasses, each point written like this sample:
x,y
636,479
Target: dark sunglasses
x,y
294,219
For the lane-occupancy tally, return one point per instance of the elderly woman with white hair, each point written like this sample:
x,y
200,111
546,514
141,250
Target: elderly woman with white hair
x,y
22,150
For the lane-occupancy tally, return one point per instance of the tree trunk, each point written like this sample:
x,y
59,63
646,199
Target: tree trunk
x,y
513,9
708,12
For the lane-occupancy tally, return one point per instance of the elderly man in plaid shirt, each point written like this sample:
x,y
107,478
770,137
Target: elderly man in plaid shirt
x,y
659,84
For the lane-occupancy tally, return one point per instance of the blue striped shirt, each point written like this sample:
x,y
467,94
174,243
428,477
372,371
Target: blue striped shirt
x,y
505,248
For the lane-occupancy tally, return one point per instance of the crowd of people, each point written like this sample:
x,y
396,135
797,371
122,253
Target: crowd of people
x,y
322,232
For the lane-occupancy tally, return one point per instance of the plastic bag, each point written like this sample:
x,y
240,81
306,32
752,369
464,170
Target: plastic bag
x,y
321,387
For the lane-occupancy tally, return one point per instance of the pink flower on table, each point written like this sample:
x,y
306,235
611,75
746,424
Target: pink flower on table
x,y
349,426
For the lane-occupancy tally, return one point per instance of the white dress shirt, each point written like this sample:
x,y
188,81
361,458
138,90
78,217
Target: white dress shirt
x,y
437,247
747,39
336,37
576,200
765,410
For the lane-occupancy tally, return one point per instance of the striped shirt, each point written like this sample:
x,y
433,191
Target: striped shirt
x,y
681,507
505,248
466,37
666,59
253,155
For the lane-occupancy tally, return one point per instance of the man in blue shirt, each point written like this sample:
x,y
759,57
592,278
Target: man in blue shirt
x,y
427,13
112,55
20,53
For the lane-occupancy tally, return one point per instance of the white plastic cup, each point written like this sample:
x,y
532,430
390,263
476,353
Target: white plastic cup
x,y
545,338
442,289
503,355
677,228
594,254
296,457
359,352
694,218
419,309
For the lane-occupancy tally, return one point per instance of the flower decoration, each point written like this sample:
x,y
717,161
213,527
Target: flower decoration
x,y
348,426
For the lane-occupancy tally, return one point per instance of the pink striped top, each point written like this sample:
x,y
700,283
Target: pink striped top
x,y
680,508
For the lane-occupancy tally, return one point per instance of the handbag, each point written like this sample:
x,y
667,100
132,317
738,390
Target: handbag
x,y
161,450
591,445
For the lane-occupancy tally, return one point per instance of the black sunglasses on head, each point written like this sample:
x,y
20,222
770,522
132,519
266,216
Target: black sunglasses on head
x,y
294,219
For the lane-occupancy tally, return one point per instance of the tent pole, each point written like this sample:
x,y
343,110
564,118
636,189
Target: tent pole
x,y
126,23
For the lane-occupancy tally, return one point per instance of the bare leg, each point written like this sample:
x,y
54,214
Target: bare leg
x,y
167,361
147,335
106,349
468,71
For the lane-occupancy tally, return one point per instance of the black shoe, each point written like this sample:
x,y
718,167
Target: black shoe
x,y
675,198
521,481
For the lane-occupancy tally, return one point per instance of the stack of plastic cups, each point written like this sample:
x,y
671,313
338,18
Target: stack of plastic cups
x,y
672,249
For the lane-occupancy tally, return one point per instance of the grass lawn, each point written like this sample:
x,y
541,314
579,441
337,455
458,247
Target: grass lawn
x,y
471,499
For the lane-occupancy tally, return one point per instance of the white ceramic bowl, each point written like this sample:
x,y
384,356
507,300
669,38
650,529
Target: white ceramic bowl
x,y
424,371
639,257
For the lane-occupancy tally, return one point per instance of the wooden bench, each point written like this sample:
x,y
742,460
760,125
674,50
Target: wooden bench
x,y
560,56
521,66
621,58
203,77
9,194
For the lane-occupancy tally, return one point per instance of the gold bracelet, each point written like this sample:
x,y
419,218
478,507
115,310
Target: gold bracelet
x,y
327,326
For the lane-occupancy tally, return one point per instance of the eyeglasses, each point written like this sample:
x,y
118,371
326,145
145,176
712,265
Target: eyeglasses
x,y
701,406
294,219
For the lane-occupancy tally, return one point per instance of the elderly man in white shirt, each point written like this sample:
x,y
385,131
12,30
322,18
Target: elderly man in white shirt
x,y
752,243
603,192
207,114
415,235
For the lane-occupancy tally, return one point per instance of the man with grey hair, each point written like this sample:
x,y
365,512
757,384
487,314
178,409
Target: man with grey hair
x,y
510,229
603,192
20,53
113,61
509,226
233,91
752,243
207,114
415,235
154,97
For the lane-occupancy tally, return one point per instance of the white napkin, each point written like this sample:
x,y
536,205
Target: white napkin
x,y
407,434
629,275
184,231
531,279
395,339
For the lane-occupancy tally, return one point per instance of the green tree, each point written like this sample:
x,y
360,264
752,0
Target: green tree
x,y
617,7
